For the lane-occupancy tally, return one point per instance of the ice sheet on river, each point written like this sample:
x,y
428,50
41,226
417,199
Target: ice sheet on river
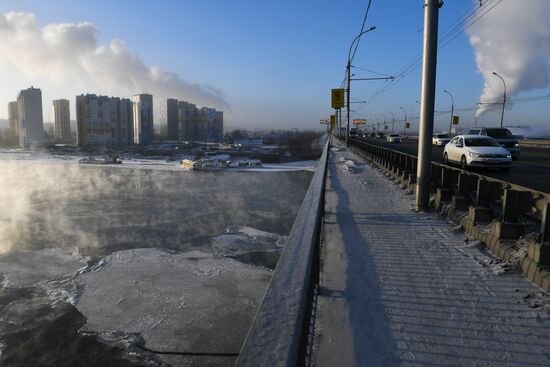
x,y
190,302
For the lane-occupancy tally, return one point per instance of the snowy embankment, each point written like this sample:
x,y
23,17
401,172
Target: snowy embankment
x,y
150,163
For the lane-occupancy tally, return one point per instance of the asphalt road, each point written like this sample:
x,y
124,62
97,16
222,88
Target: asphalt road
x,y
531,170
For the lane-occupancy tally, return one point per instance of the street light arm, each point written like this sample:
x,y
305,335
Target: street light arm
x,y
450,95
356,39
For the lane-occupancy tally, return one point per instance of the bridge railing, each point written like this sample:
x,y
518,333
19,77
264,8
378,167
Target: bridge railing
x,y
493,211
279,332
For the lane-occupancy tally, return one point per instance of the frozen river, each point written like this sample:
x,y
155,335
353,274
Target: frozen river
x,y
136,264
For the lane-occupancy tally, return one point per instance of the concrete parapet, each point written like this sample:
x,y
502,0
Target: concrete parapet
x,y
480,215
539,254
507,230
460,202
442,196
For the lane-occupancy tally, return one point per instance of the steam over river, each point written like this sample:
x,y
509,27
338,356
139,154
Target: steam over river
x,y
101,265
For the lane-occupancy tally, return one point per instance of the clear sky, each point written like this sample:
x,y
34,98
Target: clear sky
x,y
266,64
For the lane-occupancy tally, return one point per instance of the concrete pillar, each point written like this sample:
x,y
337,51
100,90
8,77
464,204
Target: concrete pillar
x,y
545,226
509,228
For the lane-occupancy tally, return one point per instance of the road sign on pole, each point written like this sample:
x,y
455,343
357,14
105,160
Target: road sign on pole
x,y
456,119
332,119
338,98
407,125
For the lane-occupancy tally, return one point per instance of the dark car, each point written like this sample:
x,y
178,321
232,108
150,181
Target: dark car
x,y
502,135
380,136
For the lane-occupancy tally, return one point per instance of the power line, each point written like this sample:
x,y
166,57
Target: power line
x,y
465,21
361,31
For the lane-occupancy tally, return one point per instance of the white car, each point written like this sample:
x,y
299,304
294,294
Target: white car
x,y
393,138
440,139
477,151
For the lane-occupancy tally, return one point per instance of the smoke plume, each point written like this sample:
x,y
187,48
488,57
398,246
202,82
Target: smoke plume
x,y
513,39
68,55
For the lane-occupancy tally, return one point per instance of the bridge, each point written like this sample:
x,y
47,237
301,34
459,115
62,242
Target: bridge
x,y
364,280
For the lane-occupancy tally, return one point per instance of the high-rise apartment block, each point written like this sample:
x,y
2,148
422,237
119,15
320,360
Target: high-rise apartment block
x,y
143,119
13,119
172,119
30,121
213,124
122,115
194,124
103,121
62,119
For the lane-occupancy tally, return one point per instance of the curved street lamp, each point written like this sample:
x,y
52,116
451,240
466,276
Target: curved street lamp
x,y
452,110
405,129
392,120
503,99
348,73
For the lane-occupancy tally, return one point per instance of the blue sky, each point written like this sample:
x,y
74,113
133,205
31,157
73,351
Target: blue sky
x,y
275,62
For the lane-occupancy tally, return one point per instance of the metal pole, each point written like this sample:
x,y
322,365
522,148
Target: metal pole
x,y
452,111
503,99
348,71
337,123
405,128
392,121
340,122
429,67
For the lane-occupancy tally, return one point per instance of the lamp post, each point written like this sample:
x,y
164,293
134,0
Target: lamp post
x,y
348,74
405,129
392,120
382,118
452,110
503,99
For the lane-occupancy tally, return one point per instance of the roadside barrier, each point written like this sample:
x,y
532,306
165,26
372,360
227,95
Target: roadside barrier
x,y
279,334
495,212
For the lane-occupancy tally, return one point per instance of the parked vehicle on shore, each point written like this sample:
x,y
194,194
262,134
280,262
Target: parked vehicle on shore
x,y
477,151
246,163
105,160
504,137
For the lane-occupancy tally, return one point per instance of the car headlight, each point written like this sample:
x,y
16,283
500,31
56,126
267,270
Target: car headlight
x,y
475,155
516,145
508,156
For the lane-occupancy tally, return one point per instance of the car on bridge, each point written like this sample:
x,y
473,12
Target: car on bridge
x,y
394,138
477,151
380,136
440,140
504,137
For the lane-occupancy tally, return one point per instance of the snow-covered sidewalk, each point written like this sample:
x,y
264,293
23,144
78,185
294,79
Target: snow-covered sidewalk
x,y
400,288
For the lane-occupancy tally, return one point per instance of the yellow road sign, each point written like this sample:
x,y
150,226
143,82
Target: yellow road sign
x,y
456,119
332,119
338,98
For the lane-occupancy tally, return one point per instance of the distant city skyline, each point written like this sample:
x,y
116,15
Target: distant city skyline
x,y
273,65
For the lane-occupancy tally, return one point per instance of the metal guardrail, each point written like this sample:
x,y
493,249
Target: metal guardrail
x,y
531,143
511,210
279,332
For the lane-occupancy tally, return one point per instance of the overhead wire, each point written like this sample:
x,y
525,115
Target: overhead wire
x,y
465,21
361,31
